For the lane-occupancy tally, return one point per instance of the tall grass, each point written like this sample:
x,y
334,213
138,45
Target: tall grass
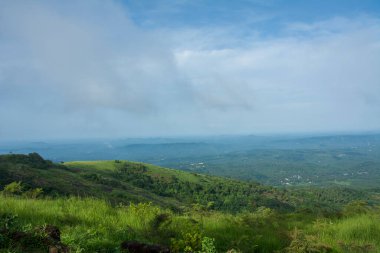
x,y
92,225
86,224
360,233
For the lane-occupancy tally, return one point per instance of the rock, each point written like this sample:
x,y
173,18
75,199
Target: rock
x,y
18,236
53,239
52,232
138,247
60,248
53,249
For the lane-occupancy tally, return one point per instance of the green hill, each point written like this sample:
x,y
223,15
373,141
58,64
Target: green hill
x,y
125,182
99,204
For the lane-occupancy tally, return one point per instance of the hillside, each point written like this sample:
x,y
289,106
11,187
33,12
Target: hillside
x,y
98,205
324,161
124,182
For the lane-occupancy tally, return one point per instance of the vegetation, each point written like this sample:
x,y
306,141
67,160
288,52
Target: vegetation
x,y
125,182
288,161
91,225
99,205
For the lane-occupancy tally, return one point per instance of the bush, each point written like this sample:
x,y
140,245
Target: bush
x,y
17,189
302,243
208,245
33,193
355,208
14,188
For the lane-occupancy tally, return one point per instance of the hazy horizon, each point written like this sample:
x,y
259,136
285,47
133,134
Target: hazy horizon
x,y
190,138
146,69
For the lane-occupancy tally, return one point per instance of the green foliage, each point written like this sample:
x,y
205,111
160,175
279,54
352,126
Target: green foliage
x,y
18,189
356,248
126,182
186,211
33,193
208,245
187,242
347,161
356,208
15,237
8,222
88,225
193,242
303,243
14,188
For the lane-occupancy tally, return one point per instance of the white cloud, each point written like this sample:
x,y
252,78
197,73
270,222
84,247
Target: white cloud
x,y
323,81
109,63
85,69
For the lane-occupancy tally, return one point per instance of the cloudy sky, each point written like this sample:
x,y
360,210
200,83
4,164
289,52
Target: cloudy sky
x,y
82,69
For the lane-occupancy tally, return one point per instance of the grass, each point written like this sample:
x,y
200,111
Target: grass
x,y
92,225
152,169
97,165
88,225
95,221
352,234
125,182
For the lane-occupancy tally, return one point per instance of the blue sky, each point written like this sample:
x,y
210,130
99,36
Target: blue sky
x,y
268,16
82,69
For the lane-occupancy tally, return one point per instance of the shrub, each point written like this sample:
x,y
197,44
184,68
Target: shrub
x,y
14,188
189,242
355,208
208,245
302,243
33,193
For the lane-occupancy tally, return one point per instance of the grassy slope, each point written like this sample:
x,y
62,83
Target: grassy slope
x,y
197,183
306,195
102,179
153,170
61,180
164,187
91,225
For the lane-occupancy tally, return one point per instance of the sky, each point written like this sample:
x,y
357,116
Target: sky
x,y
143,68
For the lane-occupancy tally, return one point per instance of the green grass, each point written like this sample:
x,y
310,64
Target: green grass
x,y
186,209
351,234
92,225
153,170
98,165
344,183
125,182
86,224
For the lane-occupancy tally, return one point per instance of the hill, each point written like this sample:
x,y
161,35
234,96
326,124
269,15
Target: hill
x,y
298,160
124,182
97,205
